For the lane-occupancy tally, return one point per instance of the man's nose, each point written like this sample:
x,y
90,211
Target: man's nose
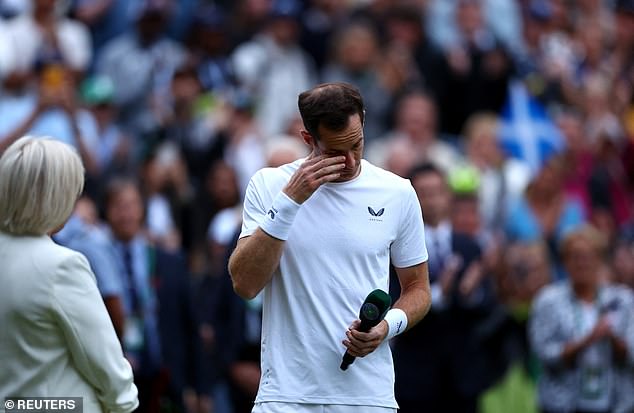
x,y
350,160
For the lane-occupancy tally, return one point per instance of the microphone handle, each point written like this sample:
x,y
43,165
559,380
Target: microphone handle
x,y
346,361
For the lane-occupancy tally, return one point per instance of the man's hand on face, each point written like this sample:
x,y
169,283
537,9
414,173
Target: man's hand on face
x,y
313,173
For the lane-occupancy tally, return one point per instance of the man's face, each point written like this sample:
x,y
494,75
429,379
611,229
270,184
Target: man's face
x,y
433,195
347,142
465,216
125,214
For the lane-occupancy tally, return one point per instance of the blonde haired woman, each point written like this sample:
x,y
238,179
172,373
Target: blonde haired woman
x,y
582,331
57,339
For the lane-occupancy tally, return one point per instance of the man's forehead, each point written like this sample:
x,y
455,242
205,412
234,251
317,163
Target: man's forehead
x,y
350,134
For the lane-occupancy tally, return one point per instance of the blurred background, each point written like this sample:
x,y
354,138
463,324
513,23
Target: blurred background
x,y
513,118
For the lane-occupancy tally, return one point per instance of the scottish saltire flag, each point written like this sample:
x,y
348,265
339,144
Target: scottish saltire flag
x,y
526,130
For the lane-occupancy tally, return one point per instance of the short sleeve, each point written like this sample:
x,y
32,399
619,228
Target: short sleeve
x,y
409,247
254,207
90,336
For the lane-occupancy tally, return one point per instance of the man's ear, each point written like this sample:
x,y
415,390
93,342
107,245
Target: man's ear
x,y
308,139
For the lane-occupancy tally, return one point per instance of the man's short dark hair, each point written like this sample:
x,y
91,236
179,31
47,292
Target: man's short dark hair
x,y
465,198
118,184
425,168
329,105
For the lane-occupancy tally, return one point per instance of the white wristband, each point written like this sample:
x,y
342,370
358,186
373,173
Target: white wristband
x,y
279,218
396,321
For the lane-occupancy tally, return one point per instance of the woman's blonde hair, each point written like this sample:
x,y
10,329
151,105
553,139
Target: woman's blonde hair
x,y
481,123
585,232
40,181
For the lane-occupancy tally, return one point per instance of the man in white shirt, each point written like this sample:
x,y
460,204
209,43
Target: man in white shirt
x,y
318,235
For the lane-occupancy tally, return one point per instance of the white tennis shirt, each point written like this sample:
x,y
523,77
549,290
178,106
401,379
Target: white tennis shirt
x,y
337,252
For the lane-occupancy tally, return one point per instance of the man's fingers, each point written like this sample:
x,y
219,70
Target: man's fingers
x,y
329,178
356,350
325,169
321,161
360,349
313,173
363,340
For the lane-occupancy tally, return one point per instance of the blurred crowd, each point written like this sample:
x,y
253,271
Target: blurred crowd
x,y
514,119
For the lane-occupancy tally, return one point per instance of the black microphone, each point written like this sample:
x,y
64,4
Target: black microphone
x,y
374,308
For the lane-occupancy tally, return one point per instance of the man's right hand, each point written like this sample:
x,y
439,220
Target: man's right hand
x,y
313,173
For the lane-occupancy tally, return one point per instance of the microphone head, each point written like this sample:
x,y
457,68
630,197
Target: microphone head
x,y
369,311
376,304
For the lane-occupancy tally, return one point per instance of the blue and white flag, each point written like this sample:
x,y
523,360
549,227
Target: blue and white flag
x,y
526,131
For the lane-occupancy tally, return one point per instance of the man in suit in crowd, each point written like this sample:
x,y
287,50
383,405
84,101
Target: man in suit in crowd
x,y
159,332
440,365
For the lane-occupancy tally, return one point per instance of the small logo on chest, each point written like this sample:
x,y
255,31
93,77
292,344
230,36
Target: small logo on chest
x,y
376,214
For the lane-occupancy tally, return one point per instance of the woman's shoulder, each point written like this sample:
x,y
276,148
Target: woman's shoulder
x,y
40,251
621,293
553,294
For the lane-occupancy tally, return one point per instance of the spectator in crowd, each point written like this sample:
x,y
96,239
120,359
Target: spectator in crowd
x,y
523,271
106,19
545,212
113,151
623,262
141,63
84,233
320,20
416,131
244,150
404,29
582,331
356,55
479,69
209,40
274,68
48,106
503,18
160,172
44,37
221,191
249,18
284,149
502,179
153,285
441,364
578,157
195,121
466,217
622,55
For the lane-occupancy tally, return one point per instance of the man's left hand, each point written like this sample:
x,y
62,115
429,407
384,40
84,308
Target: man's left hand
x,y
361,344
